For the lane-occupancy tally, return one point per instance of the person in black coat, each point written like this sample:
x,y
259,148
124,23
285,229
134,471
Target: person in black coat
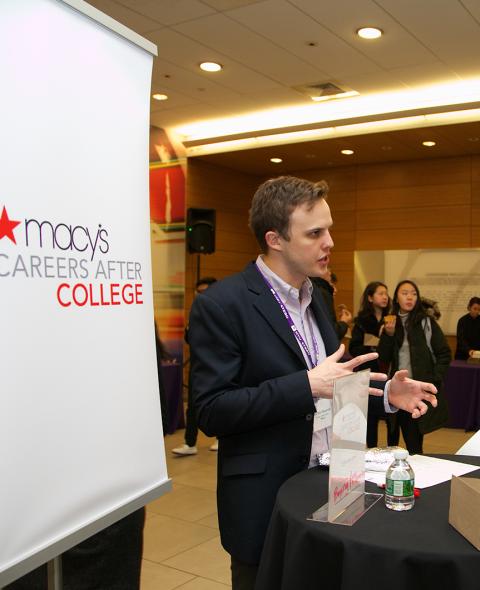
x,y
413,341
326,284
468,330
255,386
189,447
162,355
374,306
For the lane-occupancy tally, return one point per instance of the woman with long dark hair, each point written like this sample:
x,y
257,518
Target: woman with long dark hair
x,y
374,306
414,341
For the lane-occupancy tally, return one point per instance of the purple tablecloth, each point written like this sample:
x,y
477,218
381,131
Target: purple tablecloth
x,y
462,389
173,380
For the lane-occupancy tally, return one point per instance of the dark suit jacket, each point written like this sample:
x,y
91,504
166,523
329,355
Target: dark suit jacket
x,y
250,388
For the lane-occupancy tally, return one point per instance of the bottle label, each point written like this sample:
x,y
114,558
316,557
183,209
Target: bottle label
x,y
402,488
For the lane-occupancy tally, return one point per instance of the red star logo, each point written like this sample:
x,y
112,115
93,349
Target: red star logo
x,y
7,226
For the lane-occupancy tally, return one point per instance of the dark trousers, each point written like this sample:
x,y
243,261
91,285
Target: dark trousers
x,y
243,575
372,430
411,433
191,426
393,430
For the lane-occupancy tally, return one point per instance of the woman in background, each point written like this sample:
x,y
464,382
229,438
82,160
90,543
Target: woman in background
x,y
162,355
413,341
374,306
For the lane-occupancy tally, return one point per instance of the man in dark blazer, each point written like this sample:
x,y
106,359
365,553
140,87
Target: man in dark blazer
x,y
264,356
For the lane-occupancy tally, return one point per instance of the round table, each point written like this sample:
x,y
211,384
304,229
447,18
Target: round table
x,y
411,550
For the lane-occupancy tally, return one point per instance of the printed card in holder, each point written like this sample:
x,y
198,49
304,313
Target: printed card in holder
x,y
347,499
323,414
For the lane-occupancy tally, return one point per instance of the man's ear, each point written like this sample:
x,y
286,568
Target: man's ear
x,y
272,238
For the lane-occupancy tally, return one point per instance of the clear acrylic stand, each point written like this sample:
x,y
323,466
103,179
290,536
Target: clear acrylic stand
x,y
347,499
351,513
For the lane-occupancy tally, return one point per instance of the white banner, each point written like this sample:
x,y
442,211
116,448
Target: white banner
x,y
80,423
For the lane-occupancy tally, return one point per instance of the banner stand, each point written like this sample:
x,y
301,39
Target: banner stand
x,y
76,283
54,573
55,550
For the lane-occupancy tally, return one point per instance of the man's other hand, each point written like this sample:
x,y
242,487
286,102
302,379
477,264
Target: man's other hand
x,y
322,376
410,395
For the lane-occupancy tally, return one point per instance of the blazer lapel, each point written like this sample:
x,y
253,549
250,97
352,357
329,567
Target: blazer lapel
x,y
270,310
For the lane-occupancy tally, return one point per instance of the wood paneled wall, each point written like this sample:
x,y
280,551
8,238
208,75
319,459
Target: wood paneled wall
x,y
401,205
230,194
398,205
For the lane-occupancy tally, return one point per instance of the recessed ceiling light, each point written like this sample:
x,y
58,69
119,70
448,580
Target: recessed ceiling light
x,y
347,152
276,160
474,139
429,143
160,96
369,32
210,66
386,148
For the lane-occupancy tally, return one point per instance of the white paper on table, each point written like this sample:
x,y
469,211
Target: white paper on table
x,y
429,471
471,447
377,477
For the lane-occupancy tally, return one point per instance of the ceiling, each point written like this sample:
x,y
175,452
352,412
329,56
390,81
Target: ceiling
x,y
270,47
451,140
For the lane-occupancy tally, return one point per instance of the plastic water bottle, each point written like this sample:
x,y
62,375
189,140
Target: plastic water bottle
x,y
399,483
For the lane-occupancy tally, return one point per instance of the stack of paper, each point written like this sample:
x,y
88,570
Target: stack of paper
x,y
429,471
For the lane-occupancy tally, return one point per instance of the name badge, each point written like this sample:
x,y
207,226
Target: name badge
x,y
323,416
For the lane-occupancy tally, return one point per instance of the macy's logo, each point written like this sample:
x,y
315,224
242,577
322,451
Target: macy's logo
x,y
7,226
60,236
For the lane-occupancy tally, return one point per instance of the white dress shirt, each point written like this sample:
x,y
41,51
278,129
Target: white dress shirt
x,y
297,302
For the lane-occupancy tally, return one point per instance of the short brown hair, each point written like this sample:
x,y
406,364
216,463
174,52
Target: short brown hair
x,y
473,301
274,201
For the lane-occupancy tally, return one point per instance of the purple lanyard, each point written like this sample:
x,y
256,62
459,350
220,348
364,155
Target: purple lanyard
x,y
292,325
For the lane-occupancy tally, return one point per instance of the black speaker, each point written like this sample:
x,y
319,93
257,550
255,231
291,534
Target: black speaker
x,y
201,230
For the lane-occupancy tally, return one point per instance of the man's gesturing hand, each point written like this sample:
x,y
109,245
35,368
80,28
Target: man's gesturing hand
x,y
410,395
322,376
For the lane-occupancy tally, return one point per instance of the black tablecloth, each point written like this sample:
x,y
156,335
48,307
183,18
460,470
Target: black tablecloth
x,y
462,389
411,550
